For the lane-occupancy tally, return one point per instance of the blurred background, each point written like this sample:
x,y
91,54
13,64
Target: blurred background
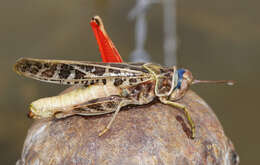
x,y
215,40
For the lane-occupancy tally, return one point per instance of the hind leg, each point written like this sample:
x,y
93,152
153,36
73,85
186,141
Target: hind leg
x,y
119,106
97,107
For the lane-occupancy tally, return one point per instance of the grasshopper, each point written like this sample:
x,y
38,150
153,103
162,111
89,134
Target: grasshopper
x,y
103,88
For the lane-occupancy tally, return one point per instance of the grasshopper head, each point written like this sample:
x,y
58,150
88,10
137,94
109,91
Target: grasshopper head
x,y
185,80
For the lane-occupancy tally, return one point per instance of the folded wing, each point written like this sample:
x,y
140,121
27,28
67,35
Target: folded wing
x,y
76,72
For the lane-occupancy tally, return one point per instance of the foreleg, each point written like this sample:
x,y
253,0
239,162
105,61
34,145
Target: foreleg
x,y
187,114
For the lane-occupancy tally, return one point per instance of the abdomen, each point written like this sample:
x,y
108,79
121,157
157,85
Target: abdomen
x,y
46,107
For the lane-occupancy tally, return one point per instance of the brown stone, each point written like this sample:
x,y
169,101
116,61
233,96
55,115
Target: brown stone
x,y
154,134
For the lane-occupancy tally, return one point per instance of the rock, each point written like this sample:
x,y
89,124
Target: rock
x,y
153,134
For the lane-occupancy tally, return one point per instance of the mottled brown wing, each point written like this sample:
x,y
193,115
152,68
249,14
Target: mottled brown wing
x,y
76,72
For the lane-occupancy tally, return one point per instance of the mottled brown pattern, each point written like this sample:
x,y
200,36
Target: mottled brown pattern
x,y
33,70
99,71
118,81
65,71
38,65
32,67
149,87
22,67
79,74
132,80
115,71
88,68
49,72
96,106
46,65
135,91
80,70
164,83
110,104
92,82
166,70
104,81
86,83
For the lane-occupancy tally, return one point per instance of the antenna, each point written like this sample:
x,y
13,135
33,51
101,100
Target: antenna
x,y
227,82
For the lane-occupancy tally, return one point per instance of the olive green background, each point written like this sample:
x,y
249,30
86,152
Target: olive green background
x,y
216,40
